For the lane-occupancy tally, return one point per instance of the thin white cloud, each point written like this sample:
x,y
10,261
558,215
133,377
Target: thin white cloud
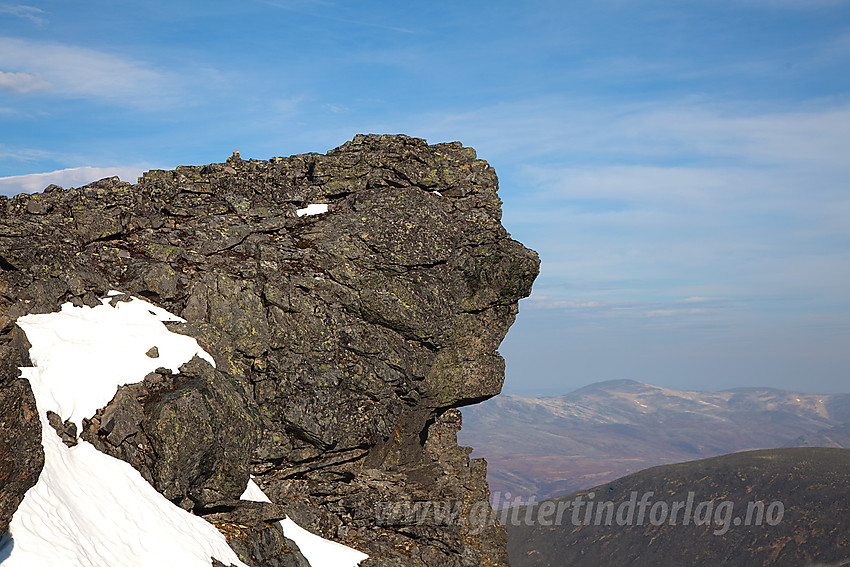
x,y
86,73
71,177
567,130
675,312
22,83
31,13
21,154
678,311
631,163
812,137
681,199
545,302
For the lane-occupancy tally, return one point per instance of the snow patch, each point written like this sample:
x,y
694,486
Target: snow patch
x,y
254,493
318,551
89,509
314,209
85,353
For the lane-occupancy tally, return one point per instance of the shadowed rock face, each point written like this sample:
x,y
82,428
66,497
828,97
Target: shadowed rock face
x,y
21,455
342,340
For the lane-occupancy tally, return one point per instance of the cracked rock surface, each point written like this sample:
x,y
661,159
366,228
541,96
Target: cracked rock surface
x,y
21,454
343,340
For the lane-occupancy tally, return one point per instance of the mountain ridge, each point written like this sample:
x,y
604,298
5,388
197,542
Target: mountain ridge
x,y
776,507
610,429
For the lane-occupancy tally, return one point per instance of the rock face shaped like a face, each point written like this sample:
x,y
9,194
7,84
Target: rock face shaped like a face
x,y
343,335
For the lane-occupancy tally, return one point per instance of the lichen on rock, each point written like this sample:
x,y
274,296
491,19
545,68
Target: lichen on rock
x,y
343,340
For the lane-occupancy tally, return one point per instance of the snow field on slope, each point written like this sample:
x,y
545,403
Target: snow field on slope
x,y
84,354
88,509
91,510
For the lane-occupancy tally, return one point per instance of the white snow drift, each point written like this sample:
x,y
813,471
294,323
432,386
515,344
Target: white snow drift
x,y
82,354
91,510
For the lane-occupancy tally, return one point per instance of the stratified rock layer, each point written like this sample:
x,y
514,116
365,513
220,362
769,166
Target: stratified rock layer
x,y
342,340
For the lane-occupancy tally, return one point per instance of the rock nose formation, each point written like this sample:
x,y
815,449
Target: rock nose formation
x,y
344,340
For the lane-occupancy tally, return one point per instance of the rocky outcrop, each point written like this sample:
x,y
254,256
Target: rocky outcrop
x,y
21,455
343,340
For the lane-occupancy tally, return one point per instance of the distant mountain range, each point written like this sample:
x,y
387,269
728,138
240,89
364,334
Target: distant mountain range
x,y
780,507
543,447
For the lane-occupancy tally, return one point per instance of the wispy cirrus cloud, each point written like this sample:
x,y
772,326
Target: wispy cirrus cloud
x,y
31,13
22,83
639,209
682,310
21,154
574,130
79,72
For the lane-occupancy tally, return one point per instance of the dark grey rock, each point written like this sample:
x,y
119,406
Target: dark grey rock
x,y
190,434
21,454
342,341
66,430
253,532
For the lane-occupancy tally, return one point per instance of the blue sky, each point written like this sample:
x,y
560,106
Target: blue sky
x,y
683,168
